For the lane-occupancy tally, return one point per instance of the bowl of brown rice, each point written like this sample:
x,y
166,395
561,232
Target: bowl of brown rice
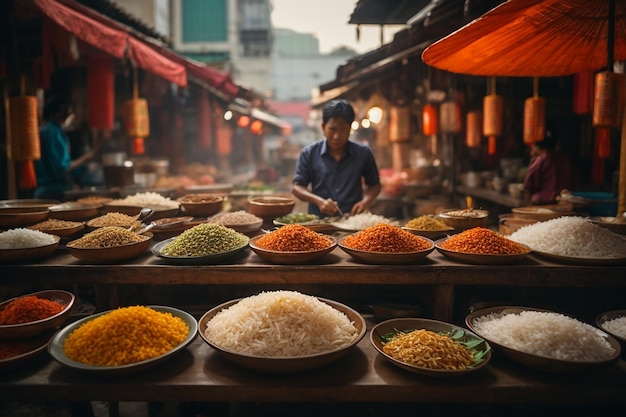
x,y
544,340
281,332
109,244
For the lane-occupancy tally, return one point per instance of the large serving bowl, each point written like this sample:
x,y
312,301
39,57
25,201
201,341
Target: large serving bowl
x,y
480,258
63,230
541,363
57,351
201,205
481,350
293,258
270,207
110,254
27,350
464,219
17,255
285,364
73,210
38,327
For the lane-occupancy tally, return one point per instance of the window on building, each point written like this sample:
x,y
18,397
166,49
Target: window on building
x,y
204,20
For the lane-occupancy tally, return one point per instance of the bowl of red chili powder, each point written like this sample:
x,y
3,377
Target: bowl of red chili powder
x,y
33,314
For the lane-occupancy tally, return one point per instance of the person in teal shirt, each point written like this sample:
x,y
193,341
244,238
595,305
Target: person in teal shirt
x,y
55,169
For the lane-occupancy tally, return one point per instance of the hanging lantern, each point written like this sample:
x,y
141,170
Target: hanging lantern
x,y
583,92
24,138
399,124
603,142
608,99
101,92
534,116
256,127
136,119
492,117
473,129
430,120
450,115
243,121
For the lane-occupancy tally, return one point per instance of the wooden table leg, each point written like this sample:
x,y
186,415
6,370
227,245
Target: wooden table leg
x,y
443,302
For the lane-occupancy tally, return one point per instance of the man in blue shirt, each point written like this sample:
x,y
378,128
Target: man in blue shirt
x,y
342,174
54,168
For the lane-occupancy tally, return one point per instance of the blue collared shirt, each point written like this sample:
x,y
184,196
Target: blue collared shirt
x,y
340,180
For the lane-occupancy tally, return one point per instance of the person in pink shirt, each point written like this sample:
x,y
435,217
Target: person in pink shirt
x,y
550,171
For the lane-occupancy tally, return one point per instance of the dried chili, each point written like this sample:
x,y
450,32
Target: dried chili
x,y
293,238
29,308
482,241
383,237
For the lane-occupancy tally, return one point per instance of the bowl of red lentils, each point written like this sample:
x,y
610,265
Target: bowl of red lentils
x,y
386,244
292,244
482,246
33,314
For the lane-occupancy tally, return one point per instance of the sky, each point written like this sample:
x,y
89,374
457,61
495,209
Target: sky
x,y
328,21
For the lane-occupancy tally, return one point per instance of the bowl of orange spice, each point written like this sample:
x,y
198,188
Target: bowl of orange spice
x,y
386,244
292,244
34,314
482,246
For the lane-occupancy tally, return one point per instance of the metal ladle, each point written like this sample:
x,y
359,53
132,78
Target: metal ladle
x,y
143,215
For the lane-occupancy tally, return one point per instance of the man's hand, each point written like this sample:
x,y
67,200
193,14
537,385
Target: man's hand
x,y
329,207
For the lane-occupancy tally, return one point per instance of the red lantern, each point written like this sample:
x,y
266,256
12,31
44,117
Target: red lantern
x,y
603,142
492,115
24,138
256,127
101,91
430,120
243,121
583,92
608,99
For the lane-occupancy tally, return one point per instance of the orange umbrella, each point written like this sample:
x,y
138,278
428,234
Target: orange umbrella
x,y
533,38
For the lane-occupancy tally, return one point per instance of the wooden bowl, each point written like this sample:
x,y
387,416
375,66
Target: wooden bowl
x,y
112,254
201,205
11,217
17,255
291,258
270,207
38,327
464,222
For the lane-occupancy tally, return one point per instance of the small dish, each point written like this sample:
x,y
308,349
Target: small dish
x,y
480,259
541,363
201,205
213,258
291,258
543,213
610,223
387,258
62,231
159,211
55,346
480,348
430,234
285,364
478,218
35,328
112,254
11,256
602,320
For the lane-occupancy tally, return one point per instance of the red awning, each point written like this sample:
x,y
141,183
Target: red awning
x,y
114,41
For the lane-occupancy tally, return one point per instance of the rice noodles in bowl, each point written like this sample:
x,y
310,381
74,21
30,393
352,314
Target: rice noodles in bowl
x,y
544,340
282,331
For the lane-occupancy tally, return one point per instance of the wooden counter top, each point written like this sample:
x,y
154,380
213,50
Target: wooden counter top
x,y
199,374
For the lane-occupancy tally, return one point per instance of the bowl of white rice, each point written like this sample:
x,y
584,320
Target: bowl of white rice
x,y
281,331
614,323
22,244
544,340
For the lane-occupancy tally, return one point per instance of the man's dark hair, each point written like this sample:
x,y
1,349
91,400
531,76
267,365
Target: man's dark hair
x,y
56,105
338,108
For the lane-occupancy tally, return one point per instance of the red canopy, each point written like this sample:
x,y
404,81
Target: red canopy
x,y
114,41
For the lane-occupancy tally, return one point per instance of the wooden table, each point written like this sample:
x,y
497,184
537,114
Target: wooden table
x,y
199,374
437,272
